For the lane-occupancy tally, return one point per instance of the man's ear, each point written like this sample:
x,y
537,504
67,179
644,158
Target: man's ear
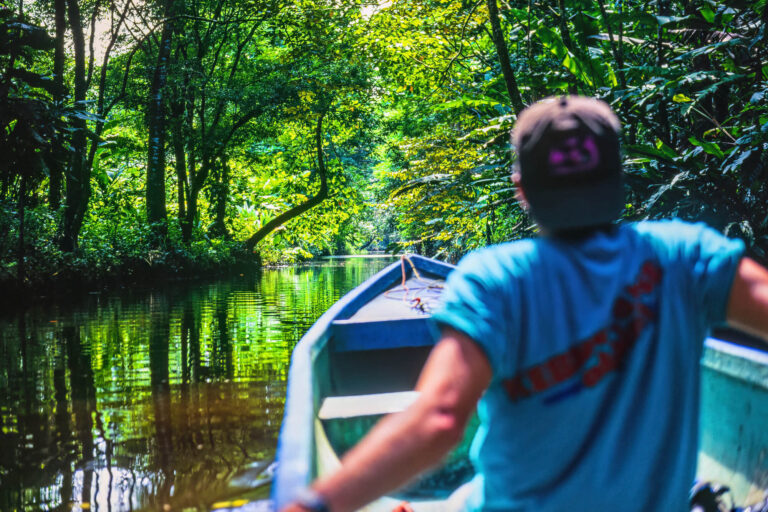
x,y
520,193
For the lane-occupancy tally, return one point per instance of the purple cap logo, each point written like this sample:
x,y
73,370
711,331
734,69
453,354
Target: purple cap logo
x,y
574,155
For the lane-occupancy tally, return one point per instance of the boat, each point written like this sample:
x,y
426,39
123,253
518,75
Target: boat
x,y
733,419
358,362
361,359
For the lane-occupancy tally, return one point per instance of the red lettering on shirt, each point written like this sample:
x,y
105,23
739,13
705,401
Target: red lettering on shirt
x,y
606,363
538,378
650,276
583,351
515,388
603,352
622,308
562,367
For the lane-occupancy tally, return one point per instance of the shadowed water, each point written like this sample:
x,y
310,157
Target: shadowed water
x,y
163,399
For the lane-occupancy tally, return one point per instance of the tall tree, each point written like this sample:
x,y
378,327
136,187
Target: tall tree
x,y
31,123
85,138
156,211
55,173
502,53
218,90
78,176
310,203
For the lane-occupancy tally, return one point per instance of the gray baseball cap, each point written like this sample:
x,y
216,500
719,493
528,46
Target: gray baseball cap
x,y
570,162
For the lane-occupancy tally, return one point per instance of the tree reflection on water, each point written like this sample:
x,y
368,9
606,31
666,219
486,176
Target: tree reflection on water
x,y
157,400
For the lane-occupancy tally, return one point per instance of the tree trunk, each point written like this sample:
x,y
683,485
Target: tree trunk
x,y
180,161
618,55
156,212
189,219
219,228
187,222
101,109
763,44
192,192
55,172
196,182
565,33
501,51
78,179
663,113
617,52
20,256
178,141
305,206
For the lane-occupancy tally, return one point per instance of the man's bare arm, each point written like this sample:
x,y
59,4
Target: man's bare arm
x,y
402,445
748,305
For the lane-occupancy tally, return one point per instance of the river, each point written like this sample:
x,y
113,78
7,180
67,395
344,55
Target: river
x,y
168,398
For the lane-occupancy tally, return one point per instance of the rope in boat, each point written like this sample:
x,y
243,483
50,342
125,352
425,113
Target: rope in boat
x,y
422,298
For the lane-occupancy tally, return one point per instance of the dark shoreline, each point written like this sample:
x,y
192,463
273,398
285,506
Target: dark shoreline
x,y
73,283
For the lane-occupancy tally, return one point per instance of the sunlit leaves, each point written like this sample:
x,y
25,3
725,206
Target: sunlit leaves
x,y
417,116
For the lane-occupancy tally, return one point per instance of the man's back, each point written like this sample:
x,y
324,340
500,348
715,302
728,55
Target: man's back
x,y
594,344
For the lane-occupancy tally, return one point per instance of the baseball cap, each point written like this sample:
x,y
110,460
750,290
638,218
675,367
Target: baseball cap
x,y
570,162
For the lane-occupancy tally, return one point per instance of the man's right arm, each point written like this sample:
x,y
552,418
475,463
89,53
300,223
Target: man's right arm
x,y
748,304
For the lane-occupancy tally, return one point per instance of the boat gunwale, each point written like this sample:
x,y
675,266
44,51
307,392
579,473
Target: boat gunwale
x,y
295,447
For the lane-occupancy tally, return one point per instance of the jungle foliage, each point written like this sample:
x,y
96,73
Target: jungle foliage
x,y
179,134
688,80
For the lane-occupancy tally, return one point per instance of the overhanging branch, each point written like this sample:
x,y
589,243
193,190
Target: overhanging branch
x,y
303,207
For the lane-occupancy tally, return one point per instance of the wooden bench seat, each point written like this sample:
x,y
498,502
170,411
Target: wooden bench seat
x,y
336,407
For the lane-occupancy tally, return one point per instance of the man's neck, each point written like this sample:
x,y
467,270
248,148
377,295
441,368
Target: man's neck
x,y
576,234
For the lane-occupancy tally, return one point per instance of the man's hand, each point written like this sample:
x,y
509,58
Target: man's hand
x,y
403,506
294,508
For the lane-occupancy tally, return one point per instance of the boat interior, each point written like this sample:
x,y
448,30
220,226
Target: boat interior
x,y
358,381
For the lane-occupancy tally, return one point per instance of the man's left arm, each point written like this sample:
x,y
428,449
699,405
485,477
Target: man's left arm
x,y
403,445
748,303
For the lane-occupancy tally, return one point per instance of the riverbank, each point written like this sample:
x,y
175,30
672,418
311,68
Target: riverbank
x,y
66,276
70,275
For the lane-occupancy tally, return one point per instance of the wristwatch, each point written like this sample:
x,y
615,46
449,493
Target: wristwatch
x,y
312,501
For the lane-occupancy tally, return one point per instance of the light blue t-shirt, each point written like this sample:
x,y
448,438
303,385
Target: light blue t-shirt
x,y
595,347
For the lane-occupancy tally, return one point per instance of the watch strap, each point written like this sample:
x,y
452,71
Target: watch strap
x,y
312,501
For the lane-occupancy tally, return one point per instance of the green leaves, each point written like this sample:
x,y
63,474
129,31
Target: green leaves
x,y
710,148
707,13
554,43
662,152
16,35
466,101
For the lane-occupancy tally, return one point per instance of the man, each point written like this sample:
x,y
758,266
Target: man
x,y
581,346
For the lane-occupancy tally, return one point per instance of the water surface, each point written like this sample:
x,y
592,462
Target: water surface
x,y
162,399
